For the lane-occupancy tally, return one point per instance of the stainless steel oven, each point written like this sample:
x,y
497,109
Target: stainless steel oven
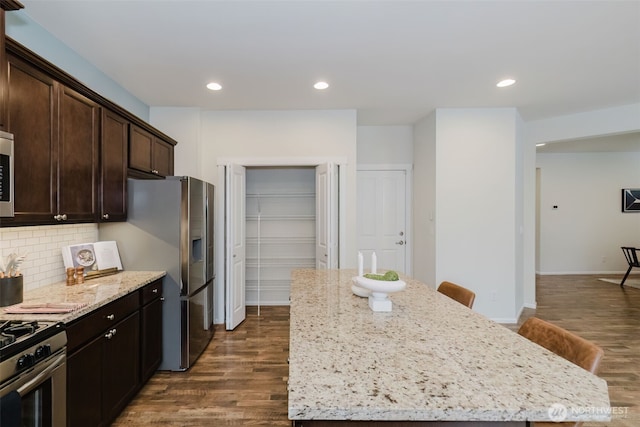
x,y
6,174
33,374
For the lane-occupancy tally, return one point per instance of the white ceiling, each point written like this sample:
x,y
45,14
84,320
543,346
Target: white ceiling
x,y
392,61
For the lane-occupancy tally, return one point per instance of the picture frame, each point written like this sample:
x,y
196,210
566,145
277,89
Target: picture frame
x,y
631,200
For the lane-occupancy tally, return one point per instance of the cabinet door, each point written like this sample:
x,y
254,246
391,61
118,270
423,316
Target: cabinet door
x,y
151,343
32,118
162,158
140,149
114,147
84,385
78,159
121,368
3,76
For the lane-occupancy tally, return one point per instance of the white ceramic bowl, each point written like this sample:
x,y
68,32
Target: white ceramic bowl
x,y
380,286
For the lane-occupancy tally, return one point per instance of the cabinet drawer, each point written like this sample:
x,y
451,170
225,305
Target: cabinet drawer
x,y
151,292
97,322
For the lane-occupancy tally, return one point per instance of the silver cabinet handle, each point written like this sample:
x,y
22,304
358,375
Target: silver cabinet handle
x,y
59,217
111,317
105,216
155,291
401,242
64,217
110,334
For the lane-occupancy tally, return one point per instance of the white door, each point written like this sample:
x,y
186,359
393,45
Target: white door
x,y
235,201
382,218
326,216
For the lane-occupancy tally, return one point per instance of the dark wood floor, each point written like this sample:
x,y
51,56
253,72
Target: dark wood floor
x,y
241,378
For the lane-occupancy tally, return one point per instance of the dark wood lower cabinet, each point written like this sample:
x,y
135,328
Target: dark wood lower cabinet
x,y
84,382
112,352
151,337
121,367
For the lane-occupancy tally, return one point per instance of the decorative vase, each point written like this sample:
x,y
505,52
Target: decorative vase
x,y
11,290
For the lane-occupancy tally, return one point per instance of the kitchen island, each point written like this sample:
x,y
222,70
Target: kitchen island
x,y
430,360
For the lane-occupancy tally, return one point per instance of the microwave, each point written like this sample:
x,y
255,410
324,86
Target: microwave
x,y
6,174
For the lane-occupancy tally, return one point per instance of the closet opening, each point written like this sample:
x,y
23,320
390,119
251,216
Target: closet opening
x,y
280,220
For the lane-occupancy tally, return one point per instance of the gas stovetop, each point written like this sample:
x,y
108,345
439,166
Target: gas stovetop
x,y
31,339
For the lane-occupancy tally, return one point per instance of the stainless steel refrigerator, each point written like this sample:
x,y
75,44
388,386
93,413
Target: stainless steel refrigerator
x,y
170,227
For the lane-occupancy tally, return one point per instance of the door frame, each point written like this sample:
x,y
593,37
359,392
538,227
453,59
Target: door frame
x,y
222,164
408,169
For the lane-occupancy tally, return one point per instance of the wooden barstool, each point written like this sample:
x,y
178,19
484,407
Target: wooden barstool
x,y
463,295
570,346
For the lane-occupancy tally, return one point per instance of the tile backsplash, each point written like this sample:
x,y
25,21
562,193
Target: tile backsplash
x,y
42,244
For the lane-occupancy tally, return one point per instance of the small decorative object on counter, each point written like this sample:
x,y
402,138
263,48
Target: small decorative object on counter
x,y
79,275
71,280
11,283
377,287
374,263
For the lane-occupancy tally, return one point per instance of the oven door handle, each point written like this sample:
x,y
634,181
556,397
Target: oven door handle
x,y
28,386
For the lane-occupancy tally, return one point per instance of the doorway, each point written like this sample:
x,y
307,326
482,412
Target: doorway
x,y
280,227
384,217
276,219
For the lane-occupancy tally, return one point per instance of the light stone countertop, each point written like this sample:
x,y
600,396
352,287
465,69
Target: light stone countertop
x,y
430,358
95,293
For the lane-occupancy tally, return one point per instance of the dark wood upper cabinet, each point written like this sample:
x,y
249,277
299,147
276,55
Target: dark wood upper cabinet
x,y
140,146
3,75
163,157
78,157
149,155
74,149
32,118
56,133
4,5
114,144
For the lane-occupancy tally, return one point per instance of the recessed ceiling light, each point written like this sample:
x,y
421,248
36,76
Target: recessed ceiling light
x,y
505,82
321,85
214,86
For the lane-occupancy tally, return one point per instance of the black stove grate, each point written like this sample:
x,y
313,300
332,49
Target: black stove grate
x,y
17,334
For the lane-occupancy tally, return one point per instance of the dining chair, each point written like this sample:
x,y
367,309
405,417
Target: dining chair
x,y
631,254
566,344
463,295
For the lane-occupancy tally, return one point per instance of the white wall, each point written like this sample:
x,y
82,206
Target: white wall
x,y
424,200
478,215
584,234
385,145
